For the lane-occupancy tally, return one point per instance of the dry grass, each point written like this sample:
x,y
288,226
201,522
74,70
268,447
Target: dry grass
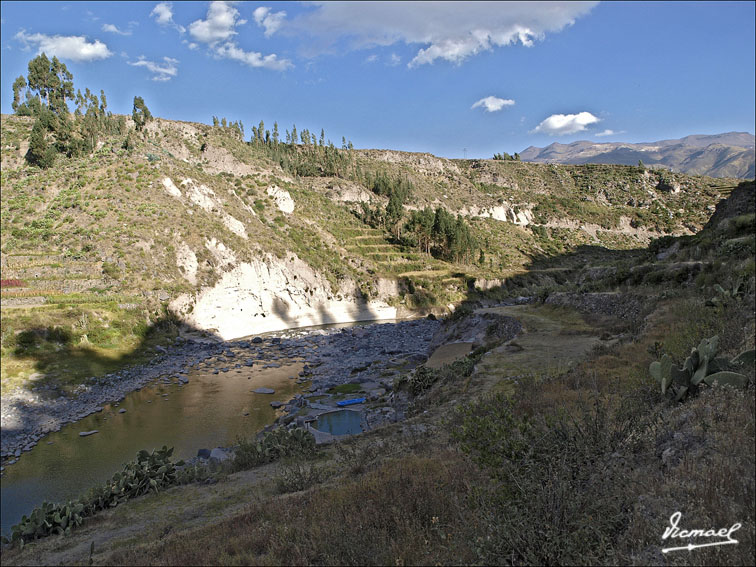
x,y
702,466
412,510
580,465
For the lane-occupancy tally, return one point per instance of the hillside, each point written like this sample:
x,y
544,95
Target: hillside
x,y
555,446
720,155
195,224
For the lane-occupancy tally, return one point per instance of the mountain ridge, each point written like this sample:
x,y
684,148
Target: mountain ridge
x,y
730,154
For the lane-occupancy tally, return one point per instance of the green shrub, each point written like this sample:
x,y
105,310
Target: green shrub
x,y
423,377
296,475
273,446
560,492
111,270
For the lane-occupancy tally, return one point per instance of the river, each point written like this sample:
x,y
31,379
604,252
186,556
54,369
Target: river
x,y
216,406
207,412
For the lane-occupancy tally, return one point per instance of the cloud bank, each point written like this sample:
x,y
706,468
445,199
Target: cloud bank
x,y
111,28
219,27
608,132
163,14
268,20
450,31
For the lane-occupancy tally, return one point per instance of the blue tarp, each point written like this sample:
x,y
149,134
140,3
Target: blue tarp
x,y
350,402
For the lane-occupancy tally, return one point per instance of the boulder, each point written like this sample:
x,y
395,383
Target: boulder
x,y
219,455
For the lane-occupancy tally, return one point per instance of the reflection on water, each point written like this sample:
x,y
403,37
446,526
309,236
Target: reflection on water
x,y
343,422
207,412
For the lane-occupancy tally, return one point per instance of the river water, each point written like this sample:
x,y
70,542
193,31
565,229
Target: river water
x,y
207,412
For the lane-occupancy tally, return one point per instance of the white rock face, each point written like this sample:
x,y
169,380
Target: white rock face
x,y
283,200
205,198
234,225
186,260
224,257
171,188
272,295
200,195
504,213
349,193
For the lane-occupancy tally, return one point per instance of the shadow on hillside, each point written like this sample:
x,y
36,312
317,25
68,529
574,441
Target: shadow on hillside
x,y
590,268
583,268
66,358
66,361
586,268
63,359
362,311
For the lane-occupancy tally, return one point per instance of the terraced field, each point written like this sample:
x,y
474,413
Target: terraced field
x,y
393,260
48,278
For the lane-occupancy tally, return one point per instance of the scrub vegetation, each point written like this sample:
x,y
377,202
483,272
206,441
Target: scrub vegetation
x,y
569,444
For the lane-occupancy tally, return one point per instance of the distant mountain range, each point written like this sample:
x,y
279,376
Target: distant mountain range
x,y
719,155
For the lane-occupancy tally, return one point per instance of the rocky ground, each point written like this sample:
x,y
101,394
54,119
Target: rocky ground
x,y
368,356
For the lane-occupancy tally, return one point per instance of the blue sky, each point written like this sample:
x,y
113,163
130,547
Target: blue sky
x,y
452,79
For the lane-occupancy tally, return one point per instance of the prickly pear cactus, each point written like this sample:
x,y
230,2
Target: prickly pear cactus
x,y
150,471
726,379
701,366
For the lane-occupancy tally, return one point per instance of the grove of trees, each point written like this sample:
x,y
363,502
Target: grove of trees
x,y
438,232
45,93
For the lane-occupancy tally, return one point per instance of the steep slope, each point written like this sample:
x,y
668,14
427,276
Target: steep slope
x,y
564,415
192,224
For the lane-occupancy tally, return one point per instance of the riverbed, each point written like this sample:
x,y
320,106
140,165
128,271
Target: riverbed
x,y
209,411
202,396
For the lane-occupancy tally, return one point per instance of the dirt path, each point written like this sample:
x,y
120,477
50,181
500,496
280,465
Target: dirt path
x,y
552,340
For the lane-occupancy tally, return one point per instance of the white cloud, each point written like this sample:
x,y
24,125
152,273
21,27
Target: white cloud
x,y
73,47
270,21
562,124
371,58
451,31
164,71
394,60
219,24
163,14
493,103
114,29
218,29
608,132
231,51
